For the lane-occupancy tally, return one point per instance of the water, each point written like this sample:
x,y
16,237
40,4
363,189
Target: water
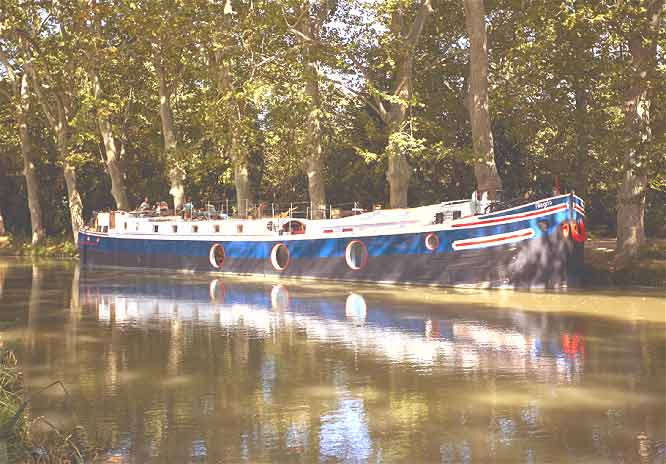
x,y
188,368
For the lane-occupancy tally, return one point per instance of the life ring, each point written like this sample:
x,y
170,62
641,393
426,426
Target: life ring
x,y
578,231
566,230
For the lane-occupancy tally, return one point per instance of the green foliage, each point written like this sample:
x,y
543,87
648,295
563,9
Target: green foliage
x,y
236,73
52,247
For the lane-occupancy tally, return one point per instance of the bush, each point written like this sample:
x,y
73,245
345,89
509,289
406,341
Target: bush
x,y
52,247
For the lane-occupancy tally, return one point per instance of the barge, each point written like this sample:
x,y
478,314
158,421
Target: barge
x,y
536,244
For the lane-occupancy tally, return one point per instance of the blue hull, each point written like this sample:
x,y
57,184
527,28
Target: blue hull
x,y
519,247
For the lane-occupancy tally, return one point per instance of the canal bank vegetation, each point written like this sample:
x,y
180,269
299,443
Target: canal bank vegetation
x,y
648,268
398,103
51,247
27,439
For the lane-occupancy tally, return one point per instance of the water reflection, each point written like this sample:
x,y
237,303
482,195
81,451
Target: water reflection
x,y
410,339
185,369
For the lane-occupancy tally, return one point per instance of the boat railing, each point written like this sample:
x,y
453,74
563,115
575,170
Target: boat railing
x,y
259,209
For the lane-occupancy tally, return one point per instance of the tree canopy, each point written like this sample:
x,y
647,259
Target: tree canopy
x,y
105,102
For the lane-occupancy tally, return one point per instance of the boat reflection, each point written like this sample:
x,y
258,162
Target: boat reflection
x,y
421,340
182,369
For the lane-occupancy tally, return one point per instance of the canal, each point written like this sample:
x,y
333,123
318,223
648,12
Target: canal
x,y
167,367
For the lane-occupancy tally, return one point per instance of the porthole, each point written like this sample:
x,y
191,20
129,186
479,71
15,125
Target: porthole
x,y
217,291
216,256
195,229
279,297
432,241
280,256
356,255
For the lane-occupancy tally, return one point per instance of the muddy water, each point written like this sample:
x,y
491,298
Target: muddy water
x,y
183,368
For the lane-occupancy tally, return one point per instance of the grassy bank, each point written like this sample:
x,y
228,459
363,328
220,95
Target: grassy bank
x,y
12,428
25,439
52,247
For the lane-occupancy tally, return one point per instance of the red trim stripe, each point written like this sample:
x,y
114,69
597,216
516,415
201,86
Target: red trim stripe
x,y
347,229
540,212
579,209
498,239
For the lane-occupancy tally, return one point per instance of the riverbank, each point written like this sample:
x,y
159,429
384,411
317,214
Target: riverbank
x,y
12,429
51,248
24,438
649,269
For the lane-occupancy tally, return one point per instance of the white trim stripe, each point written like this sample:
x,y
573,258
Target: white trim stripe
x,y
496,213
579,210
493,240
512,218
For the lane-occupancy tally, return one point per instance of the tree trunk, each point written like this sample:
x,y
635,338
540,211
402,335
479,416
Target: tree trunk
x,y
176,177
57,117
69,173
582,140
631,196
398,172
74,200
237,152
244,193
485,169
30,172
310,28
118,189
314,161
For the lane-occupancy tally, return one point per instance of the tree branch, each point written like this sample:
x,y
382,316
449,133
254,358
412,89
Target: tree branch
x,y
380,110
40,96
417,26
378,105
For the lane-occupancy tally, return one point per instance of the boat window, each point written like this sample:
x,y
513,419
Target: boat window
x,y
432,241
216,228
294,227
239,228
105,228
174,228
156,229
216,256
125,226
136,226
280,256
195,229
356,255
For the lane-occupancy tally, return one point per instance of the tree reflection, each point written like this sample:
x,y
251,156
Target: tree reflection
x,y
185,370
